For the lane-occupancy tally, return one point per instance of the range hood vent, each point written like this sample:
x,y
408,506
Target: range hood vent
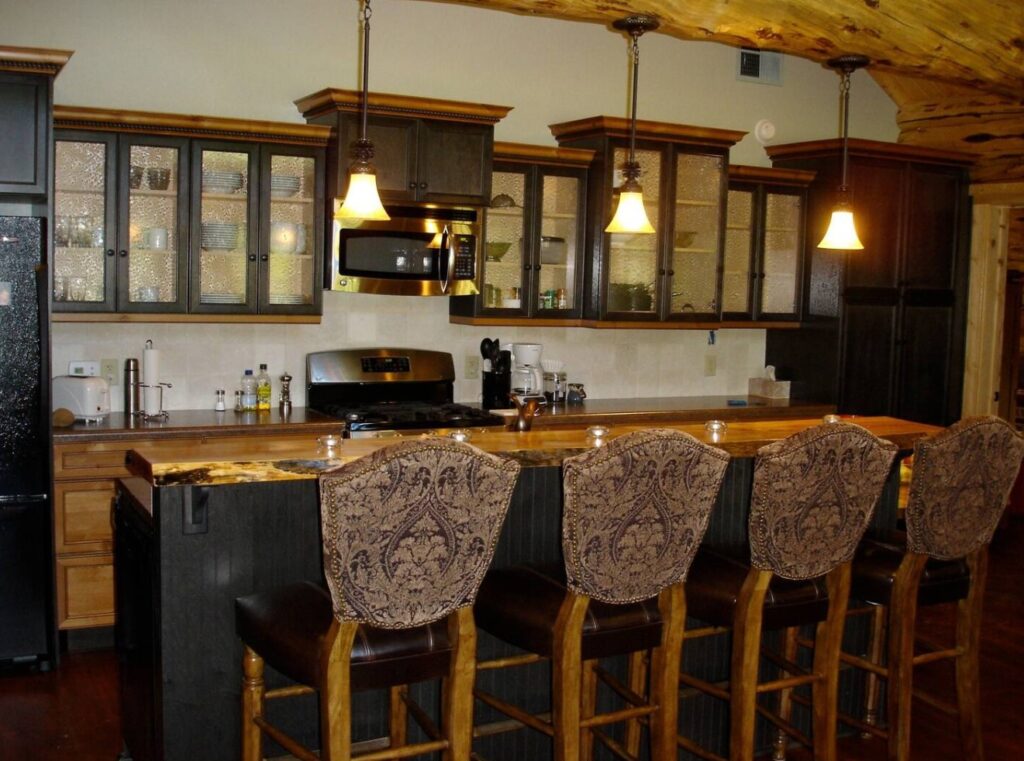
x,y
759,66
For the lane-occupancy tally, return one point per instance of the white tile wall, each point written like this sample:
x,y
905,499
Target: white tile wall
x,y
198,359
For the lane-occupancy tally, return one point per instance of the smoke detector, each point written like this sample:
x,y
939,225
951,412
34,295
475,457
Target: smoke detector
x,y
759,66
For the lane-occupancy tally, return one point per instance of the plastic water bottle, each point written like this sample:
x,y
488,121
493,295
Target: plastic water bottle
x,y
263,389
248,392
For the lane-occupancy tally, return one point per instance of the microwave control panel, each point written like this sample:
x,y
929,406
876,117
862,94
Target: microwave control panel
x,y
465,258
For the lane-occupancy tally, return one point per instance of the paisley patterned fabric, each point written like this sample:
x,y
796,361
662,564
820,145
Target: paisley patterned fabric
x,y
409,530
814,494
961,483
635,512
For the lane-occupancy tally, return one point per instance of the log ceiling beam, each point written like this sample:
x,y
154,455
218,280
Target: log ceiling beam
x,y
973,44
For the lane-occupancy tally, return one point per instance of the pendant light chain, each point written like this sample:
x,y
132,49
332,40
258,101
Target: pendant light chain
x,y
632,169
367,13
844,106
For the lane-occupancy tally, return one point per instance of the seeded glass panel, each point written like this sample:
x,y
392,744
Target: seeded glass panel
x,y
698,212
152,224
781,241
503,245
633,259
558,253
292,234
736,268
224,225
79,221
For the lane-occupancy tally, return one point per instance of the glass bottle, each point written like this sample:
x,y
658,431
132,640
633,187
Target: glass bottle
x,y
248,392
263,389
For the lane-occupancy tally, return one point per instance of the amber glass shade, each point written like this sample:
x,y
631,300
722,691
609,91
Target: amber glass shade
x,y
362,201
630,216
842,233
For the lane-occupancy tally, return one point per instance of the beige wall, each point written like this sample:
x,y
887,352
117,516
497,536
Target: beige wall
x,y
252,59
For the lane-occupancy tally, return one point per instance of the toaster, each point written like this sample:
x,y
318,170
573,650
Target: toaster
x,y
88,398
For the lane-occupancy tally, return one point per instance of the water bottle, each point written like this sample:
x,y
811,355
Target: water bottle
x,y
263,389
248,392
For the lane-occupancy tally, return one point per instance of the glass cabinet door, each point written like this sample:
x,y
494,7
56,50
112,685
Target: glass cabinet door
x,y
695,243
152,181
737,269
633,258
505,243
223,244
782,241
288,261
84,223
559,260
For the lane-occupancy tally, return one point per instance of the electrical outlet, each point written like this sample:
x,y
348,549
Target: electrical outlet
x,y
710,365
108,369
472,367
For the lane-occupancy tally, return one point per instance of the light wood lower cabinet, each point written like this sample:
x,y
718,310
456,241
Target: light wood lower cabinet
x,y
85,590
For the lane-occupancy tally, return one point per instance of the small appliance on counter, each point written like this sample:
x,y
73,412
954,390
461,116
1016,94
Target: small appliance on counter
x,y
496,377
88,398
527,374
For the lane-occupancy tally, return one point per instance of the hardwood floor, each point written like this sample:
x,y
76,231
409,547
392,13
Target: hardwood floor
x,y
73,713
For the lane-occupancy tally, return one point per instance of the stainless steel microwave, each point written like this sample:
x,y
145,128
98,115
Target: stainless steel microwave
x,y
420,251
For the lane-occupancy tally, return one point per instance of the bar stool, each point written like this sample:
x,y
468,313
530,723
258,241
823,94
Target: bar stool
x,y
813,497
961,482
408,533
635,512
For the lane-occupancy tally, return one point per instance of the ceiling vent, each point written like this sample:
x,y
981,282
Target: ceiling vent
x,y
759,66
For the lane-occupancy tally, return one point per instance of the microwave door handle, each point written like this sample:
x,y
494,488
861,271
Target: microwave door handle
x,y
447,245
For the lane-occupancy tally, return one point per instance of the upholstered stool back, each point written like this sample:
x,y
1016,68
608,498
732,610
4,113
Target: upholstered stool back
x,y
635,512
962,481
814,494
409,531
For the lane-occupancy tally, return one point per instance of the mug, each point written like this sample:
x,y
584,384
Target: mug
x,y
284,238
155,237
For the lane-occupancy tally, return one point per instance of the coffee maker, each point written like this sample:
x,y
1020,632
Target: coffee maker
x,y
527,374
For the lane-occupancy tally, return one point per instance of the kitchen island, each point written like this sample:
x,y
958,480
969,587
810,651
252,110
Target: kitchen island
x,y
201,525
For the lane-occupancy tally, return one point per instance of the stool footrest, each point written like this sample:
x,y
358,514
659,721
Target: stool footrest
x,y
615,684
287,692
284,740
614,716
512,660
617,749
690,746
516,713
708,687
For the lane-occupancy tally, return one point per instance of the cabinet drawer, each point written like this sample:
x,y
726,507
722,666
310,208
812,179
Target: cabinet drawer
x,y
81,520
90,460
85,591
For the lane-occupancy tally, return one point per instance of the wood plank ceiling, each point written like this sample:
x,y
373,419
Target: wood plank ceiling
x,y
955,68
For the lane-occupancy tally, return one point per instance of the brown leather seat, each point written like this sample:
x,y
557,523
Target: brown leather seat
x,y
288,626
714,583
521,604
874,574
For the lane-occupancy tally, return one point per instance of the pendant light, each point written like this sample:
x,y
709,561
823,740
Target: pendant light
x,y
630,216
362,200
842,233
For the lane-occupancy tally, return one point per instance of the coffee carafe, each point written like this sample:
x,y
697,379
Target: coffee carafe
x,y
527,374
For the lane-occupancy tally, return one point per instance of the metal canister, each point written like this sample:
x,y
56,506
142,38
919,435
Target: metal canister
x,y
132,389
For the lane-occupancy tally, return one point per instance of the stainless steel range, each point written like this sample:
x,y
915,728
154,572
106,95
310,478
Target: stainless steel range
x,y
384,392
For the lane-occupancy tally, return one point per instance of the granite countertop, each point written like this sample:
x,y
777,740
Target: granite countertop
x,y
193,423
250,460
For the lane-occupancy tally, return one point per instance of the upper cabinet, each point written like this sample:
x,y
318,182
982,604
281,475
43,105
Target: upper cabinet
x,y
673,275
161,215
533,251
425,150
764,237
26,84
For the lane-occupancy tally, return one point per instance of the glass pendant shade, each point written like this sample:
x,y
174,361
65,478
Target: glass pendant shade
x,y
362,200
842,233
630,216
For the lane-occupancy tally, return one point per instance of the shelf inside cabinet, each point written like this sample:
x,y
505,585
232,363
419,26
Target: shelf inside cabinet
x,y
225,196
780,230
694,202
694,250
502,212
295,200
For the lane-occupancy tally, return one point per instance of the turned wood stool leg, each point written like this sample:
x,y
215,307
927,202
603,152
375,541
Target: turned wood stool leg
x,y
336,693
398,715
789,652
666,660
968,638
746,657
588,693
457,698
872,684
566,677
902,619
637,682
252,705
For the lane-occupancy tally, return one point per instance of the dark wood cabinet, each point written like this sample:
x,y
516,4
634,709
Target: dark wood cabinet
x,y
896,311
533,251
675,274
764,244
160,215
425,150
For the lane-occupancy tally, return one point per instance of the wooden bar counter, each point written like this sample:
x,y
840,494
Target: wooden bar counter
x,y
200,525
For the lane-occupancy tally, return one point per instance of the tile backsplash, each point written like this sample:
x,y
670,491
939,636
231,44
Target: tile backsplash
x,y
197,359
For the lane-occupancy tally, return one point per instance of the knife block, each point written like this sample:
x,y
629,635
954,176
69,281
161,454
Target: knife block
x,y
496,388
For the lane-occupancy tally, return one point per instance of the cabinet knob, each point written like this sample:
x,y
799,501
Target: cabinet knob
x,y
527,267
412,185
423,186
252,257
110,252
671,273
661,272
537,268
264,258
123,252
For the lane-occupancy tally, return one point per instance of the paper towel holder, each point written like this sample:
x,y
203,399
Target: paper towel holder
x,y
162,414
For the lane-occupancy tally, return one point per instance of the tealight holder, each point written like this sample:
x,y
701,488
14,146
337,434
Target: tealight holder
x,y
461,435
831,419
596,435
329,441
715,429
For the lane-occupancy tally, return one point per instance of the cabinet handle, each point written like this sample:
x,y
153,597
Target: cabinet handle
x,y
110,252
264,258
252,257
123,252
423,186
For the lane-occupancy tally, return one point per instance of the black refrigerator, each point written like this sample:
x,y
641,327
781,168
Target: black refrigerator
x,y
26,546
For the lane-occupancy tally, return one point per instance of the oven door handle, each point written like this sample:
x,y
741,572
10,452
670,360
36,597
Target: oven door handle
x,y
447,247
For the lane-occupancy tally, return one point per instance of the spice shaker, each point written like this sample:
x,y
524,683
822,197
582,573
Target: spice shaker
x,y
132,389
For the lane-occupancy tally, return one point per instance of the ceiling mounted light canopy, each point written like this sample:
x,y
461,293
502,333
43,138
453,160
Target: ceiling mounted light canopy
x,y
362,200
842,232
630,216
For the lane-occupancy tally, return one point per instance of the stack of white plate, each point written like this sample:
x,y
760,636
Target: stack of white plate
x,y
221,182
222,298
220,235
287,298
283,185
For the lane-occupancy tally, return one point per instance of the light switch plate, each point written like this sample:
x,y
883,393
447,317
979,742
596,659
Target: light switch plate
x,y
710,365
108,369
472,368
84,367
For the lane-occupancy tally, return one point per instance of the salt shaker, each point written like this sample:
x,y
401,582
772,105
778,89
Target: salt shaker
x,y
219,404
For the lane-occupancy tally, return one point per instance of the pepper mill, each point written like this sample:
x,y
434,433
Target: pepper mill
x,y
285,405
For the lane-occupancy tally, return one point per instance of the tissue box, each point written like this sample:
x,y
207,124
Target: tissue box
x,y
770,389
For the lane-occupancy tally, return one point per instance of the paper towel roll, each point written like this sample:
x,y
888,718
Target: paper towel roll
x,y
151,377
